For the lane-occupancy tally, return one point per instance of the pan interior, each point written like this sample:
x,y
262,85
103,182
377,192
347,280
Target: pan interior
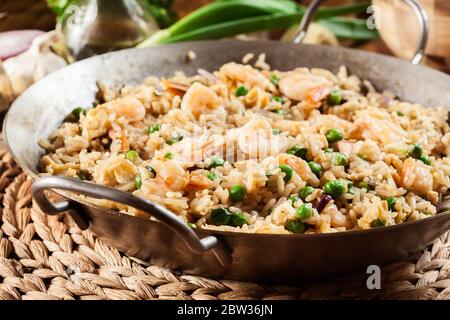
x,y
42,108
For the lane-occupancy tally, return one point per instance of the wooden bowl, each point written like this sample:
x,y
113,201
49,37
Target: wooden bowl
x,y
399,28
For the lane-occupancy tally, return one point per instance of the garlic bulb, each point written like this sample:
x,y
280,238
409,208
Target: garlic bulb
x,y
35,63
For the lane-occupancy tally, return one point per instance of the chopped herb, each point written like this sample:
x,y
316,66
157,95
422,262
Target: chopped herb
x,y
241,91
416,151
211,176
169,155
78,111
425,159
138,182
174,140
274,79
154,128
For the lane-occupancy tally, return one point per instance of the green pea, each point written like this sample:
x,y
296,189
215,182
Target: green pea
x,y
274,79
425,159
334,135
304,212
211,176
334,98
154,128
334,188
238,219
288,172
237,193
138,182
391,203
241,91
377,223
339,159
400,114
174,140
294,198
132,155
416,151
220,216
295,226
169,155
278,99
306,191
216,162
192,225
315,168
276,131
298,151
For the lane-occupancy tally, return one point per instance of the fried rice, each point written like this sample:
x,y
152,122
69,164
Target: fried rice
x,y
256,150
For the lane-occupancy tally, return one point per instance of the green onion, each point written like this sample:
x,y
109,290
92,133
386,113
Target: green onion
x,y
425,159
274,79
132,155
400,114
138,182
154,128
216,162
278,99
78,111
416,151
169,155
288,172
174,140
237,193
241,91
211,176
295,226
391,203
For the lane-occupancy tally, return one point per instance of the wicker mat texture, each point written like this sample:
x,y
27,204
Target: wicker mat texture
x,y
43,257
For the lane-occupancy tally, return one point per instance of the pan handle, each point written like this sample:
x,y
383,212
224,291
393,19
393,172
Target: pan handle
x,y
168,218
419,11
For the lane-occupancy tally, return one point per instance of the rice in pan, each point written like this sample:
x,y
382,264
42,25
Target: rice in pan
x,y
261,151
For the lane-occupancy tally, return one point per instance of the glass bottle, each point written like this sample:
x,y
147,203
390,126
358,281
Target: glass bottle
x,y
98,26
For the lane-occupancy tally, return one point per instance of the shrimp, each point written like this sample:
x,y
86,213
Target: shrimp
x,y
199,100
173,175
130,108
297,85
416,177
195,149
255,138
244,74
383,131
301,167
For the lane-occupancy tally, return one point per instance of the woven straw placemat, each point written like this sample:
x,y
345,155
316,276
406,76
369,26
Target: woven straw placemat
x,y
43,257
